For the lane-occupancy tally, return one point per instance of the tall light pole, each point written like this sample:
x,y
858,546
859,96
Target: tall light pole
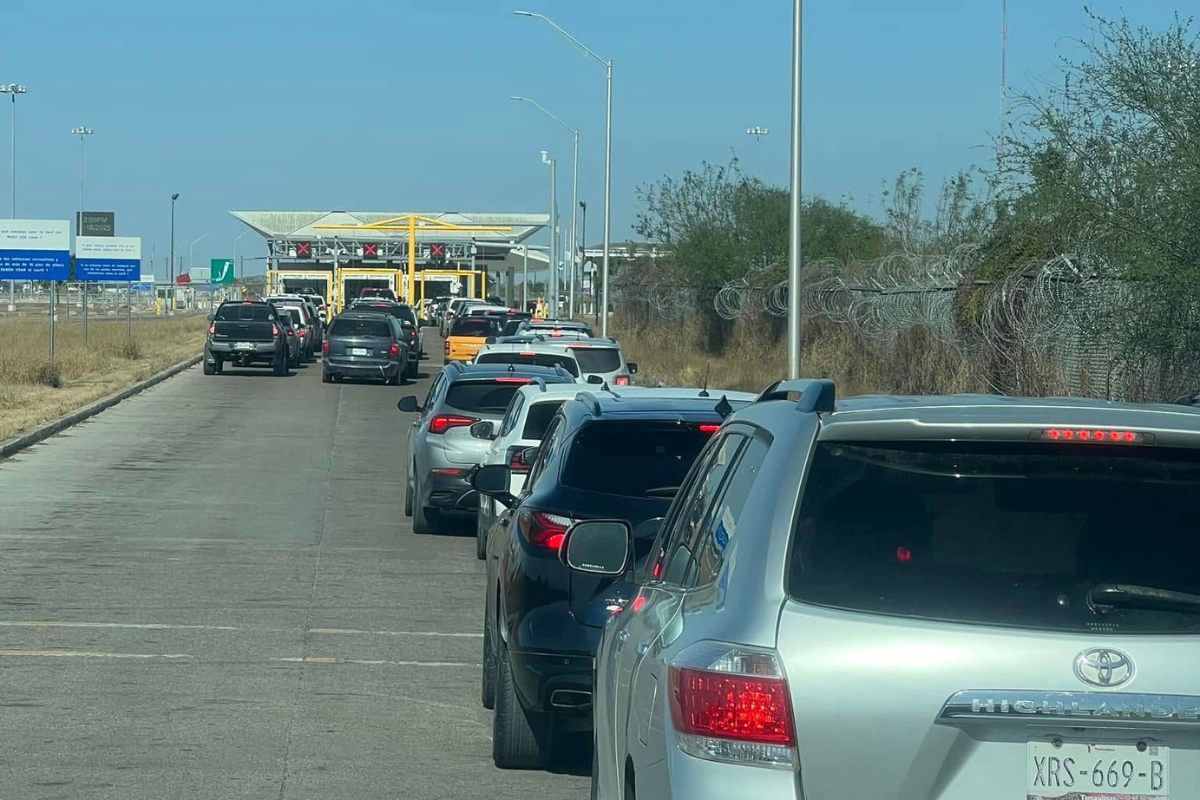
x,y
574,198
608,65
170,298
13,89
236,260
82,132
192,249
552,310
794,329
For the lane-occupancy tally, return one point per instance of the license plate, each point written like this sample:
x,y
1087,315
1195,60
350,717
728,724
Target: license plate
x,y
359,351
244,346
1081,771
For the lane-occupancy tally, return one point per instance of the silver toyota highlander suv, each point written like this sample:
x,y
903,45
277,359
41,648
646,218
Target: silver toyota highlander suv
x,y
962,598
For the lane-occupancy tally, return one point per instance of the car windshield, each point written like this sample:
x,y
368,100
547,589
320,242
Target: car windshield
x,y
291,315
538,418
350,327
486,396
597,359
999,534
632,458
476,327
537,359
245,312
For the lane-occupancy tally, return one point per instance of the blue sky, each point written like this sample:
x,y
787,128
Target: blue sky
x,y
391,105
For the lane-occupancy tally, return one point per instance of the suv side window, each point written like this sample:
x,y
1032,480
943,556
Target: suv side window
x,y
554,434
712,539
438,382
514,413
680,565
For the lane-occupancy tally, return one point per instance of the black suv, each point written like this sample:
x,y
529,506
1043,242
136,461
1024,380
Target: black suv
x,y
604,455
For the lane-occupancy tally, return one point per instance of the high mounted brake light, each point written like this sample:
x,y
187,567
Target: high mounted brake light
x,y
514,380
1093,436
709,428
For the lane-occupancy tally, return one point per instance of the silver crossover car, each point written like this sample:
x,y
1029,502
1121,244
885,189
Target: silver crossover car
x,y
962,598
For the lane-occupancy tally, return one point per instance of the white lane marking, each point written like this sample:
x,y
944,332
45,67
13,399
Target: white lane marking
x,y
84,654
375,662
149,626
397,633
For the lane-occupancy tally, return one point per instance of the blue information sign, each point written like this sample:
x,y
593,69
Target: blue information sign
x,y
35,249
108,269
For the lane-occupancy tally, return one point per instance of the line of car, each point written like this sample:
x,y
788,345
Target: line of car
x,y
791,595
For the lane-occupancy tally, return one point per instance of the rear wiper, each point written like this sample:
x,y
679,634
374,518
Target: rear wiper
x,y
1104,597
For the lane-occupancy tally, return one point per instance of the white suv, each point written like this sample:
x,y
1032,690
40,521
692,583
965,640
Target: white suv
x,y
528,414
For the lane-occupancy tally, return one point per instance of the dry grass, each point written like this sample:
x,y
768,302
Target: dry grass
x,y
672,353
33,390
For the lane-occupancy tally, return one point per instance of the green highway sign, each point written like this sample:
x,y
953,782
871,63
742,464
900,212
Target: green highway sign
x,y
222,270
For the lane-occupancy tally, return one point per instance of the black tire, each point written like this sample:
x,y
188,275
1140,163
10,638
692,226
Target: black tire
x,y
295,362
515,737
425,520
209,368
594,792
395,379
337,378
281,366
408,499
326,377
487,693
219,365
481,539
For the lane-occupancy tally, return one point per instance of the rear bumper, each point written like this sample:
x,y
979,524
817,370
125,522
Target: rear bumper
x,y
554,683
263,352
450,492
228,348
360,369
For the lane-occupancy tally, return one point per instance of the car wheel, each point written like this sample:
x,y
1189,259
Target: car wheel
x,y
281,366
395,379
210,369
481,539
219,365
326,377
425,520
488,681
408,499
515,742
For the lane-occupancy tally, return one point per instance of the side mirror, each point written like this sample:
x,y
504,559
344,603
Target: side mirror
x,y
484,429
595,379
409,404
212,317
632,367
492,480
597,547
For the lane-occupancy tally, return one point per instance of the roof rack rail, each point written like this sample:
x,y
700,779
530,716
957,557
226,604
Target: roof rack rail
x,y
538,381
588,397
816,394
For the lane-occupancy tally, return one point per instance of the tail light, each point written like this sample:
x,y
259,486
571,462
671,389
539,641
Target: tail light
x,y
274,330
444,422
709,428
515,462
447,347
394,350
212,330
544,530
731,703
622,380
303,333
289,331
325,347
514,380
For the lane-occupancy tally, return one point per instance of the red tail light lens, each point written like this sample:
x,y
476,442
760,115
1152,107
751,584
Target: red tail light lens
x,y
303,332
290,332
274,330
515,463
325,347
1092,435
709,428
514,380
447,347
622,380
212,330
444,422
544,530
394,350
731,703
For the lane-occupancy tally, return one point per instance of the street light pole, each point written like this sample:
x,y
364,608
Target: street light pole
x,y
169,300
608,65
237,260
574,195
13,89
82,133
552,283
794,305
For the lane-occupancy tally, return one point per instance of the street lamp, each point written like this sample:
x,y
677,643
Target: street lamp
x,y
574,199
236,260
171,266
192,249
794,208
13,89
553,281
757,132
607,153
82,133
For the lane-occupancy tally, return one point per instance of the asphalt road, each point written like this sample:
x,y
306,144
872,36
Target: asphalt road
x,y
211,591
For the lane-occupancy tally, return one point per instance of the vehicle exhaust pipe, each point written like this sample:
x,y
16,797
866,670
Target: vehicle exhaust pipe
x,y
571,698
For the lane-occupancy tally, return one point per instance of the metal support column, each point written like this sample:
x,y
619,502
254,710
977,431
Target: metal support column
x,y
794,306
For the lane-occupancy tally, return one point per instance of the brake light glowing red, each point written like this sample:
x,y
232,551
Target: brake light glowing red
x,y
325,347
449,472
303,332
290,332
903,554
709,428
639,603
1092,435
394,350
622,380
746,708
444,422
274,330
544,530
530,355
514,380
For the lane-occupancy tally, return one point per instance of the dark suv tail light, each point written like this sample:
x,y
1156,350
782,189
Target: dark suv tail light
x,y
325,347
212,329
394,350
515,462
542,529
444,422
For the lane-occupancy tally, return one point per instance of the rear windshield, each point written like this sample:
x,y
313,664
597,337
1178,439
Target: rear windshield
x,y
475,326
550,327
486,397
291,315
1001,534
244,313
384,308
539,418
537,359
597,359
343,327
511,327
634,458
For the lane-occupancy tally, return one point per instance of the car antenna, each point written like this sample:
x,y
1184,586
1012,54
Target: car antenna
x,y
707,370
724,409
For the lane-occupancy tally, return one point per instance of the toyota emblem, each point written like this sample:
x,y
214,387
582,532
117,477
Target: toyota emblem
x,y
1104,667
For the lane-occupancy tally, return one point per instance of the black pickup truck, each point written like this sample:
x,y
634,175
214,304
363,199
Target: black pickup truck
x,y
245,333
